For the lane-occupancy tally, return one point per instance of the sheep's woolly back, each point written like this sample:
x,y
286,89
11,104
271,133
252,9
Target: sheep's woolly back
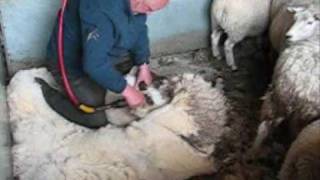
x,y
173,142
210,117
241,18
296,83
303,159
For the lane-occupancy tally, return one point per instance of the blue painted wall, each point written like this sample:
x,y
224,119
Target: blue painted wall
x,y
181,26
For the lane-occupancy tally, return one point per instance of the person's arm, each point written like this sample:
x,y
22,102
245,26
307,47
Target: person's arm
x,y
141,49
141,54
97,40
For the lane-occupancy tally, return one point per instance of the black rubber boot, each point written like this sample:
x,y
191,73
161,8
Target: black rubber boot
x,y
87,91
63,106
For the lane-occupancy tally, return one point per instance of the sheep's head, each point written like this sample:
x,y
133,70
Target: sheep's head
x,y
157,94
306,25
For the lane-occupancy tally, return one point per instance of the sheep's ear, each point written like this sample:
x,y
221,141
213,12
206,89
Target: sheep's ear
x,y
294,9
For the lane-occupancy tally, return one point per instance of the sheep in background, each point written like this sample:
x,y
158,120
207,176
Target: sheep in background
x,y
281,19
307,22
302,161
173,142
294,93
238,19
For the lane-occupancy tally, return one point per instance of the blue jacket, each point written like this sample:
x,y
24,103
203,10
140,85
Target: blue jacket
x,y
97,33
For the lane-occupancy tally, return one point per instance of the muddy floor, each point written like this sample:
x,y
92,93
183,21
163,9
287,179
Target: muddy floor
x,y
244,89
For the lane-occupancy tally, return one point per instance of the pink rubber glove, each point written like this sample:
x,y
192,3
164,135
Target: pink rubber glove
x,y
133,97
147,6
144,75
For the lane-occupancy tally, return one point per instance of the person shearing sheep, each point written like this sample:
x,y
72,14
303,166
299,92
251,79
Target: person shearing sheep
x,y
98,36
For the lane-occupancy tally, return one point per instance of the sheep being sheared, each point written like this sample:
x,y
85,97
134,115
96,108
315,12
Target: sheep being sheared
x,y
303,158
173,142
294,91
238,19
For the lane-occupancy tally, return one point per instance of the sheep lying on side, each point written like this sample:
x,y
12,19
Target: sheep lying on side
x,y
173,142
238,19
303,158
294,92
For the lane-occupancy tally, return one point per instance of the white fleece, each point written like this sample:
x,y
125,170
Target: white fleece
x,y
47,147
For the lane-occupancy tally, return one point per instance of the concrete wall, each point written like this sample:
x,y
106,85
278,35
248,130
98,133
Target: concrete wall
x,y
5,165
181,26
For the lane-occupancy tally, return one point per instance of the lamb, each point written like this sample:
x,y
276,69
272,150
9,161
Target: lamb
x,y
174,142
294,91
303,158
238,19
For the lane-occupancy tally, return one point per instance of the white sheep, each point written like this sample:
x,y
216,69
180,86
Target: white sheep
x,y
238,19
173,142
294,91
281,20
307,23
302,161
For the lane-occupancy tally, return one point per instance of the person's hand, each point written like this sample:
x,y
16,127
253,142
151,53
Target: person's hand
x,y
144,75
133,97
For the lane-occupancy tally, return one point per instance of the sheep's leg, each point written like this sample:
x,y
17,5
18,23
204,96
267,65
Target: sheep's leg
x,y
216,34
228,49
263,132
215,37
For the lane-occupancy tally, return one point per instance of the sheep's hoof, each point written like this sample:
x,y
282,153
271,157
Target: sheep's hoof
x,y
234,68
218,57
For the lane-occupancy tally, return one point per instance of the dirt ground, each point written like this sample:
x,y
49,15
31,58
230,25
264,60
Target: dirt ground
x,y
243,88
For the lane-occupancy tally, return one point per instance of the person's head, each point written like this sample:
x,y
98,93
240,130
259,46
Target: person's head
x,y
147,6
